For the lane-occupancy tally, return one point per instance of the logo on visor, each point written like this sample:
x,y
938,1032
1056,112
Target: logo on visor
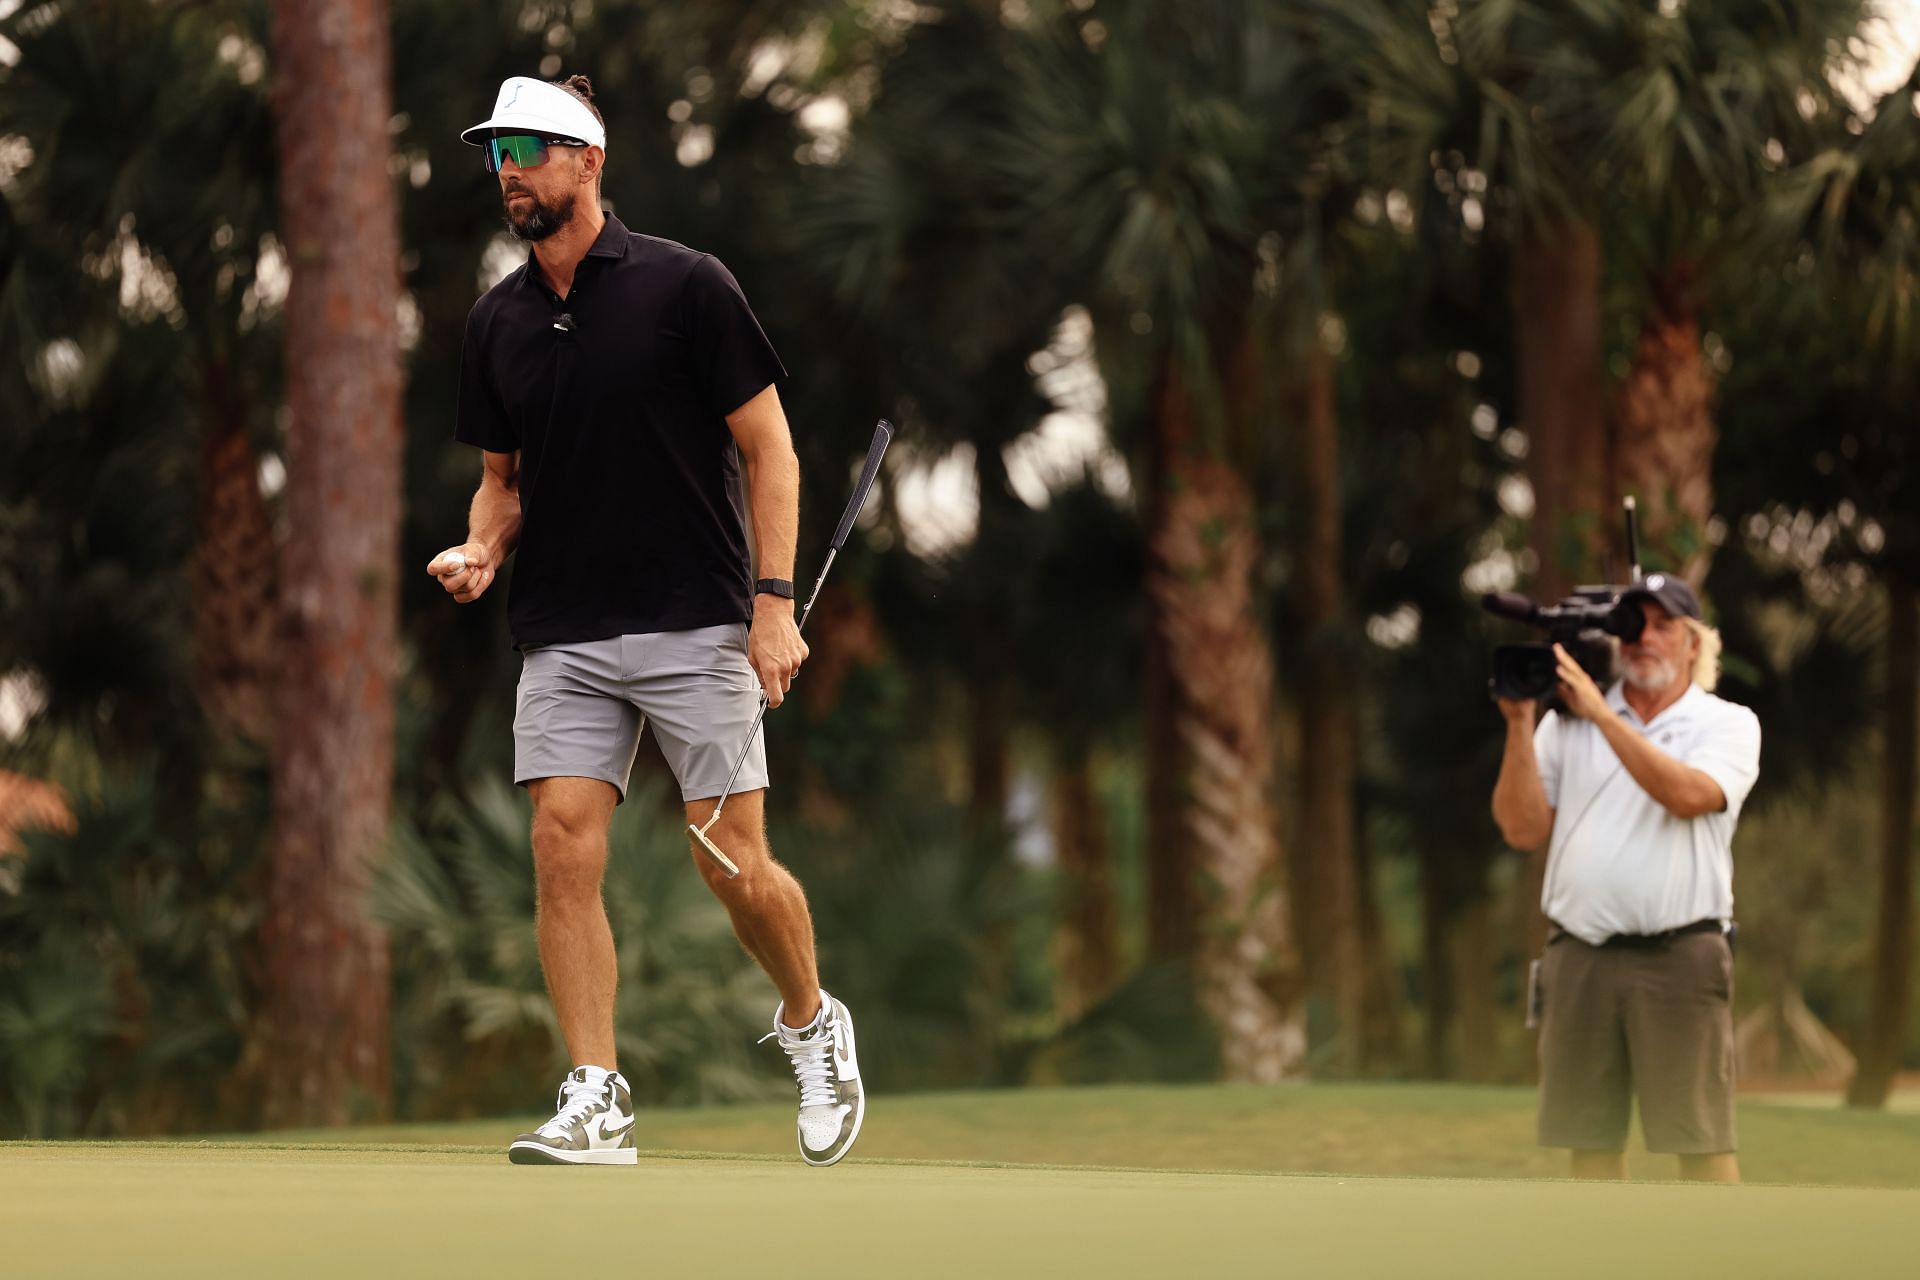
x,y
515,98
1656,582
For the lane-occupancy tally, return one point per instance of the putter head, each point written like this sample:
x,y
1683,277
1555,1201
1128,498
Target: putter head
x,y
725,862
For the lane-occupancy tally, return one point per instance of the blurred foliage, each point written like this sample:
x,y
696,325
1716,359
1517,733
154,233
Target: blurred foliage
x,y
122,974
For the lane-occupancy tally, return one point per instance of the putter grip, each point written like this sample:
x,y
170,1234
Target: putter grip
x,y
882,436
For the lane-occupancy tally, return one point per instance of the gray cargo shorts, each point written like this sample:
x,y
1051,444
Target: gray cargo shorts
x,y
581,708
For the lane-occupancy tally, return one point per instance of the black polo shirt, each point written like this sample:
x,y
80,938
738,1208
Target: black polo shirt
x,y
616,398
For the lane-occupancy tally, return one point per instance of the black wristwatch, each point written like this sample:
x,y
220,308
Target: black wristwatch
x,y
773,587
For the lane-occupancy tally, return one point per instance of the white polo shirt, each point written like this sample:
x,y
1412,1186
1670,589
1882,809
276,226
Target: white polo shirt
x,y
1618,861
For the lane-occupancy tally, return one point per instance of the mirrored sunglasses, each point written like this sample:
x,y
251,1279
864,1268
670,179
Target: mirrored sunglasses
x,y
526,150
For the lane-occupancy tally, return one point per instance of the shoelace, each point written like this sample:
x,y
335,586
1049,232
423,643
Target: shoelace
x,y
576,1102
812,1067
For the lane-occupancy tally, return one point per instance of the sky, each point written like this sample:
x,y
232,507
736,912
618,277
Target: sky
x,y
1896,40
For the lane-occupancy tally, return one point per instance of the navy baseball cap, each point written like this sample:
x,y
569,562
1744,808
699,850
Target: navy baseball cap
x,y
1670,593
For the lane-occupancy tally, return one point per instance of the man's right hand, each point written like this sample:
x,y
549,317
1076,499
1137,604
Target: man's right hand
x,y
465,571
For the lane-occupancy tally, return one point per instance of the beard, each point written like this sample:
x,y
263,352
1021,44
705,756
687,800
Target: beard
x,y
1651,675
540,219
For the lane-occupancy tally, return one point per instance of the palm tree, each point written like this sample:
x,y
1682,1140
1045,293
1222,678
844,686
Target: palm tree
x,y
985,259
1449,102
1617,128
926,275
1145,147
1682,115
1856,206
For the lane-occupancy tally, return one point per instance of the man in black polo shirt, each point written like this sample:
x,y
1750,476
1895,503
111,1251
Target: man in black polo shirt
x,y
617,384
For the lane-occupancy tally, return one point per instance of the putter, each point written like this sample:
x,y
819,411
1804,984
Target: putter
x,y
882,436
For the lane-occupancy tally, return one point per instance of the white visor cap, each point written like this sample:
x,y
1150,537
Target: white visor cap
x,y
526,105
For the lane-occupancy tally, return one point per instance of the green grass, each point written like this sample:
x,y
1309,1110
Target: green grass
x,y
1452,1131
1053,1181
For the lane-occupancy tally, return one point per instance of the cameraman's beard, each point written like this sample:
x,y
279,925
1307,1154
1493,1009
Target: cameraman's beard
x,y
1652,675
541,219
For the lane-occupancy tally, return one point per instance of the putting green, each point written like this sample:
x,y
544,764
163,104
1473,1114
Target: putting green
x,y
1425,1130
156,1210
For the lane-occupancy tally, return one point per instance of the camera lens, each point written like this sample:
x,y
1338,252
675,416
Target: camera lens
x,y
1524,671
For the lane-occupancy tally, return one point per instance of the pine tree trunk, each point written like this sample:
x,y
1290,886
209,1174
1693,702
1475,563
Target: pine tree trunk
x,y
1560,375
232,572
1202,551
1663,450
1089,946
1893,937
321,1051
1326,909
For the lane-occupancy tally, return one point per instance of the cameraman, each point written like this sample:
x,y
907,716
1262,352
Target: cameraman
x,y
1636,792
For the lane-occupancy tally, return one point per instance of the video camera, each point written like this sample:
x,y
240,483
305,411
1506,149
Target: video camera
x,y
1584,624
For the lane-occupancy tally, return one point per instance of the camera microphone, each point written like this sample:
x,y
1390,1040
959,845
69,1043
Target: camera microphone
x,y
1507,604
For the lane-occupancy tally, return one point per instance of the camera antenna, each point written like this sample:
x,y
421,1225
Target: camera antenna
x,y
1633,541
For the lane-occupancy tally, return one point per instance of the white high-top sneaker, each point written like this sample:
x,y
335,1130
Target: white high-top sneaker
x,y
593,1123
832,1101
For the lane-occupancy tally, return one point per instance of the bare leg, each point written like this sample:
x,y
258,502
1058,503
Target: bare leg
x,y
1593,1166
768,907
1723,1166
570,817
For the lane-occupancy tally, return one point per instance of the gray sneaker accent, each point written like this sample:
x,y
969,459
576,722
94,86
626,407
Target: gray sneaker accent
x,y
595,1131
826,1066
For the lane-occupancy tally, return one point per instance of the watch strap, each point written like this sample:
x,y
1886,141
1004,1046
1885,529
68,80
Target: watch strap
x,y
773,587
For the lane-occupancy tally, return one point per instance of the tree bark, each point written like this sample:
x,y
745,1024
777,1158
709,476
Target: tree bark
x,y
989,743
1326,909
1202,551
1893,936
1663,449
1560,375
1173,876
1381,1045
990,726
1436,969
321,1047
1089,939
232,572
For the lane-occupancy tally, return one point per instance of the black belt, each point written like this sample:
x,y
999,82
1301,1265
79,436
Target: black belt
x,y
1644,940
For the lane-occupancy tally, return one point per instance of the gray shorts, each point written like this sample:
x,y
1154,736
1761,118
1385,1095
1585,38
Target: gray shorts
x,y
581,708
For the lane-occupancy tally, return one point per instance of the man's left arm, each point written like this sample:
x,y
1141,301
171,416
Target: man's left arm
x,y
1680,789
759,427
